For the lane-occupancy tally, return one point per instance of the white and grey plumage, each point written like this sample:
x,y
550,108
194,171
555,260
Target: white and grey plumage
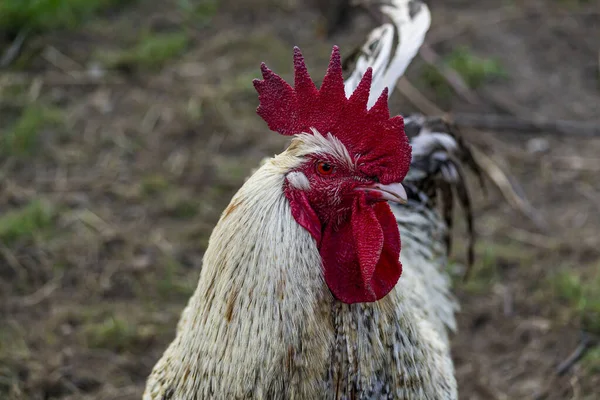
x,y
263,324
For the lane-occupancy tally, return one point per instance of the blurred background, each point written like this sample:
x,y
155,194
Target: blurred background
x,y
126,127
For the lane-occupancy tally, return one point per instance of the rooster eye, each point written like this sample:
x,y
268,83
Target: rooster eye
x,y
324,168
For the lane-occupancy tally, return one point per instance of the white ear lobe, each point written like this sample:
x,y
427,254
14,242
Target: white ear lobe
x,y
298,180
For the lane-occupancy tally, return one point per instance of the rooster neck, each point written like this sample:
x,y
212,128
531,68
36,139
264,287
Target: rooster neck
x,y
258,252
261,309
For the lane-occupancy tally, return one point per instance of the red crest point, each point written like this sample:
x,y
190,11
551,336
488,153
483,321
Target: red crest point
x,y
379,140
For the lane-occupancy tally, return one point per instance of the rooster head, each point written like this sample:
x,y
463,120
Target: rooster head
x,y
352,162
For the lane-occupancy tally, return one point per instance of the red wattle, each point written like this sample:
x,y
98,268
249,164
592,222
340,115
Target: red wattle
x,y
303,213
361,255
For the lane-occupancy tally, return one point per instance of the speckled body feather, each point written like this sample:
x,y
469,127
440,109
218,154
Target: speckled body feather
x,y
262,323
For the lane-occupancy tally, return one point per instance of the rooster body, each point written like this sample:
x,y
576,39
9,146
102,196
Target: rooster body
x,y
304,291
262,323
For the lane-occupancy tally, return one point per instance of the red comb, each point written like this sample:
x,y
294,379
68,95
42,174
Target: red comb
x,y
378,139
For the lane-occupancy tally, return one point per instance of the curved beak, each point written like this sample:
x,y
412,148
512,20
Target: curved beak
x,y
393,192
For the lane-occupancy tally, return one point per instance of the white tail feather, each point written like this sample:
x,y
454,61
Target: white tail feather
x,y
390,48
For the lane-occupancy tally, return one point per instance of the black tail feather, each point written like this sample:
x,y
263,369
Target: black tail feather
x,y
437,174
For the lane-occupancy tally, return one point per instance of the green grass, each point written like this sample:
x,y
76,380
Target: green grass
x,y
112,333
25,222
194,110
154,184
199,11
44,15
582,294
591,361
232,171
431,78
22,138
151,52
180,206
486,270
12,340
172,283
13,349
473,69
176,203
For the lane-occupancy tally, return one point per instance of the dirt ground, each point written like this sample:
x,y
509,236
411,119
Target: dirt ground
x,y
119,161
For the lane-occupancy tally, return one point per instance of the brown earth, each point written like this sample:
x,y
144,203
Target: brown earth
x,y
128,182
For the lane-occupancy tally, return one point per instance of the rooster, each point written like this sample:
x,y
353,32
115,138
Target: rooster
x,y
307,290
